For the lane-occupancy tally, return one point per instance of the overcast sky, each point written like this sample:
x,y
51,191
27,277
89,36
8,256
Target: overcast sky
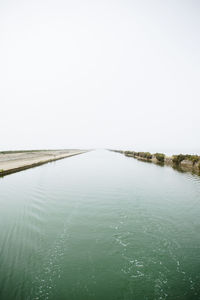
x,y
94,74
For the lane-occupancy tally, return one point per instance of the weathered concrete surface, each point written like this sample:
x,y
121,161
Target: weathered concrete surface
x,y
18,161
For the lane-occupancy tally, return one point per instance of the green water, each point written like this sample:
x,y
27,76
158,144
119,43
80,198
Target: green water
x,y
100,226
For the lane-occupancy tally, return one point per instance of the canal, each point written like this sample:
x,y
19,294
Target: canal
x,y
100,226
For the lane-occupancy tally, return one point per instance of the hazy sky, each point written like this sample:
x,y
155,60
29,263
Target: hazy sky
x,y
116,74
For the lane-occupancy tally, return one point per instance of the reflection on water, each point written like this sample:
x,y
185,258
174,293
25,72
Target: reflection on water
x,y
100,226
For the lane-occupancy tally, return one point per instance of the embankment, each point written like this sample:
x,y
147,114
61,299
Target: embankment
x,y
182,162
15,161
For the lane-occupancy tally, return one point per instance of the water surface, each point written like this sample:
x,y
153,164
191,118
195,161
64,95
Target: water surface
x,y
100,226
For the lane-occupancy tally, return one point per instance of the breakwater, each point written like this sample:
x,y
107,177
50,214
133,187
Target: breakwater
x,y
182,162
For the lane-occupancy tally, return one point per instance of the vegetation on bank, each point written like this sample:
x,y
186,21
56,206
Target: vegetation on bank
x,y
146,155
187,161
177,159
161,157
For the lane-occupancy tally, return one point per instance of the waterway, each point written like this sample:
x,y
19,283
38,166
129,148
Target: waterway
x,y
100,226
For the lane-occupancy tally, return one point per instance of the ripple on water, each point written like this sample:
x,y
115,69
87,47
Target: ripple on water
x,y
106,232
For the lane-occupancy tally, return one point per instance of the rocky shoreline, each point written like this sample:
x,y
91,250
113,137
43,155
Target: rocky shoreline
x,y
181,162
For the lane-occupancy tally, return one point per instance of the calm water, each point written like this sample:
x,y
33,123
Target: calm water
x,y
100,226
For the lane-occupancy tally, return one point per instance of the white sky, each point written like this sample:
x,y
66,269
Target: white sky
x,y
86,74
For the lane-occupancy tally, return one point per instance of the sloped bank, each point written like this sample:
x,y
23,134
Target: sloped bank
x,y
182,162
15,161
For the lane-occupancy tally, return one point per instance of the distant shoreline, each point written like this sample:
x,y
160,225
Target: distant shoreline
x,y
181,162
15,161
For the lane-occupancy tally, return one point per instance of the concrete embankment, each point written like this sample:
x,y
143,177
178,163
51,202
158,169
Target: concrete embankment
x,y
15,161
180,162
